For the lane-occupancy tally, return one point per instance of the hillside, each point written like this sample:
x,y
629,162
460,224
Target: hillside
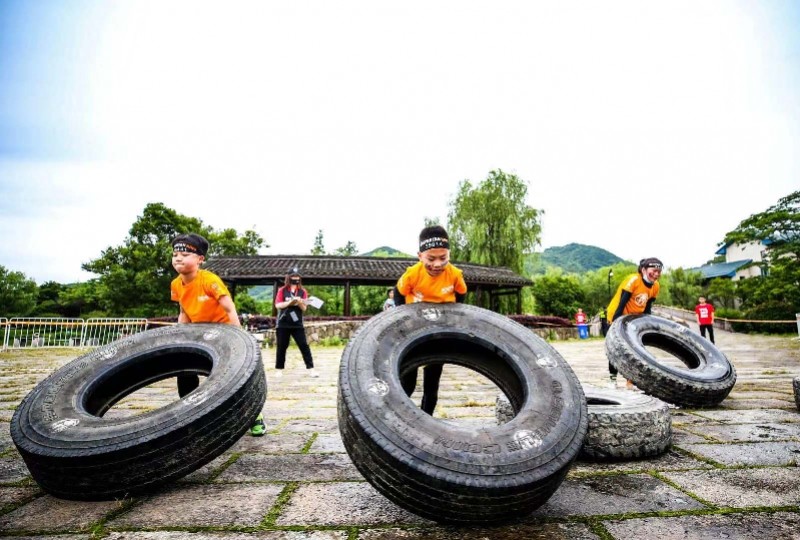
x,y
573,258
385,251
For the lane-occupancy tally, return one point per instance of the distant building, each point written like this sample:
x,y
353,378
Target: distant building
x,y
742,261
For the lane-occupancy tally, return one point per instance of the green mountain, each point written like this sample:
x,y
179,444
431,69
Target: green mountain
x,y
261,293
385,251
572,258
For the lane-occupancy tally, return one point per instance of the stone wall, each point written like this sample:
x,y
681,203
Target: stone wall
x,y
317,332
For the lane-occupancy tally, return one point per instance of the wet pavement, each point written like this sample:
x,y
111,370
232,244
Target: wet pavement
x,y
731,473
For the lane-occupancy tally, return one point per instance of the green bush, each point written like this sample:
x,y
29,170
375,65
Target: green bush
x,y
769,311
725,313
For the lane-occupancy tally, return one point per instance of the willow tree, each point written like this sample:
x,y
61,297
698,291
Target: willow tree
x,y
492,223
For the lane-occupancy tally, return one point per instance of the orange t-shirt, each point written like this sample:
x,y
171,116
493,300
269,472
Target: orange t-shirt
x,y
200,298
417,285
640,295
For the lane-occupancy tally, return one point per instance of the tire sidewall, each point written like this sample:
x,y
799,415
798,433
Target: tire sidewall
x,y
538,442
629,331
52,419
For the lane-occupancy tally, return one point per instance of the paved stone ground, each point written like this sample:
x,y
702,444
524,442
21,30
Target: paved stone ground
x,y
732,472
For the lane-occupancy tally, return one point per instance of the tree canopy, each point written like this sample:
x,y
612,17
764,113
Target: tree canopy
x,y
18,293
135,276
776,295
492,224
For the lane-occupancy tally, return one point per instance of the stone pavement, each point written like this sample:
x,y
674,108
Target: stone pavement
x,y
732,471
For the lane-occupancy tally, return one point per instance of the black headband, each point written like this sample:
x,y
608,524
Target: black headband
x,y
434,242
183,247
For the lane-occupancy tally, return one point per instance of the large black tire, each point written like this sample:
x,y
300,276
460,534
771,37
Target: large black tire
x,y
443,471
622,424
796,388
706,380
73,452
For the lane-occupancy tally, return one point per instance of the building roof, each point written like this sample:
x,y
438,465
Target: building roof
x,y
724,248
332,269
728,269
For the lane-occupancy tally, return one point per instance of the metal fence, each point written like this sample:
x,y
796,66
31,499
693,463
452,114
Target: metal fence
x,y
26,332
3,331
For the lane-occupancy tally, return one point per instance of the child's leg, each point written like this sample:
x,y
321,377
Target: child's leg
x,y
187,382
612,370
281,344
431,375
409,381
299,335
711,332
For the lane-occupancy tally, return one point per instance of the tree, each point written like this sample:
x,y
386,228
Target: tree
x,y
681,288
347,250
319,244
722,293
134,277
776,294
558,294
17,293
492,223
47,303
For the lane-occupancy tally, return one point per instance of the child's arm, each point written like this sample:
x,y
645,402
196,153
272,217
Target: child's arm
x,y
183,318
399,298
460,288
226,303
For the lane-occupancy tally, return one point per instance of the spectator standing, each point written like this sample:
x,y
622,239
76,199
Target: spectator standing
x,y
389,302
581,321
705,318
291,304
434,280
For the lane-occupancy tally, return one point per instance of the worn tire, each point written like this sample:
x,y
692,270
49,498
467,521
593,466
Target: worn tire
x,y
622,424
796,388
440,470
706,380
73,452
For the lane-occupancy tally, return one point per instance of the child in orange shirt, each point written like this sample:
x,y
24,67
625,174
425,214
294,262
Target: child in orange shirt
x,y
202,297
432,279
635,294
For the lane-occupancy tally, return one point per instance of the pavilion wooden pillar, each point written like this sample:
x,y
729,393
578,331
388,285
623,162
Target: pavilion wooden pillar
x,y
275,287
347,298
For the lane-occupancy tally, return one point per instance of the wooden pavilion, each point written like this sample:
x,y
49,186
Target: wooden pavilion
x,y
487,282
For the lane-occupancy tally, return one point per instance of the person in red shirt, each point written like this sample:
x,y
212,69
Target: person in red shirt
x,y
705,318
580,317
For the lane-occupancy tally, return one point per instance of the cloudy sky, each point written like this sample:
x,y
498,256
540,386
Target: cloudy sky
x,y
647,129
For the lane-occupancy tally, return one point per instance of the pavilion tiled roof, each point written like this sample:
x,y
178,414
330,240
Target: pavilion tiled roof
x,y
321,269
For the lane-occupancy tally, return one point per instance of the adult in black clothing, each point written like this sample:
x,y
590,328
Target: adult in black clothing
x,y
291,303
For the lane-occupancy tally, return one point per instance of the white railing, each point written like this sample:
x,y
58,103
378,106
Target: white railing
x,y
3,332
26,332
98,331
